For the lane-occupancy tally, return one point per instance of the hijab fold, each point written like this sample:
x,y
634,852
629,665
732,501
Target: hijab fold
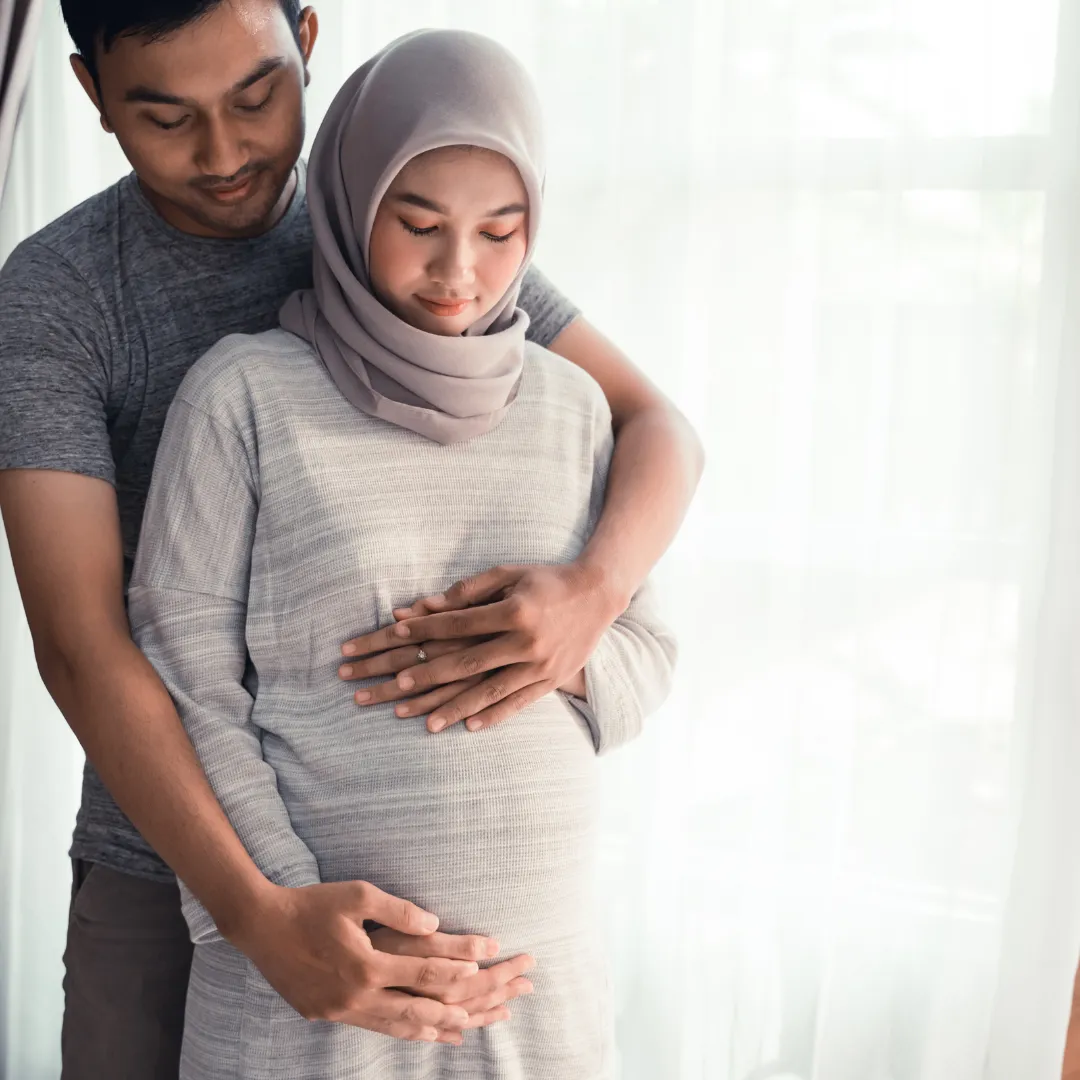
x,y
429,89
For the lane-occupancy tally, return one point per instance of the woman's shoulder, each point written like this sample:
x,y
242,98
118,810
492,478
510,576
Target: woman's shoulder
x,y
555,378
230,372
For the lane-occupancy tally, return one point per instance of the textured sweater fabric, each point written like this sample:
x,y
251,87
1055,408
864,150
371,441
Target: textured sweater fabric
x,y
280,522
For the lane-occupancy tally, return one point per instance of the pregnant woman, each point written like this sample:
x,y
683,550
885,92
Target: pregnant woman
x,y
291,507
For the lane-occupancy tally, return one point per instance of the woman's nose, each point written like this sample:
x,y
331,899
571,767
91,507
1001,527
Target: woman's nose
x,y
455,265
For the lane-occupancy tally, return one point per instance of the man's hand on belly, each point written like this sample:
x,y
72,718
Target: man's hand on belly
x,y
520,632
484,995
311,946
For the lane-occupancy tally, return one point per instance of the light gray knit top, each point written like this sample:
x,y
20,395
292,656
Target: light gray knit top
x,y
281,522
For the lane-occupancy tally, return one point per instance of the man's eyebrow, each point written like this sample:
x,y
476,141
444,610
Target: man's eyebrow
x,y
426,204
156,97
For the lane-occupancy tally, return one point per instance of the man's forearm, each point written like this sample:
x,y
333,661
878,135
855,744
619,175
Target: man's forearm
x,y
123,716
654,472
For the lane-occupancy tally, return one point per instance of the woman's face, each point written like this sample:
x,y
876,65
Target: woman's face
x,y
449,238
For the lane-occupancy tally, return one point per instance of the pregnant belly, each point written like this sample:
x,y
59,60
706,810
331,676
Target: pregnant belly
x,y
492,831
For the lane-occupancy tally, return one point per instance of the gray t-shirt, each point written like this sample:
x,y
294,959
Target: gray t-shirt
x,y
102,313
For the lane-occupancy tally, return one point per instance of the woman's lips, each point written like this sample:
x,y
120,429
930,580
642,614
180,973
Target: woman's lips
x,y
445,308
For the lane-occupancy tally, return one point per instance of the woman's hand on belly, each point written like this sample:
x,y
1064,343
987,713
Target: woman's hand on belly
x,y
484,995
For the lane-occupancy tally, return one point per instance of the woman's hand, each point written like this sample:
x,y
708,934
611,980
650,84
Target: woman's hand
x,y
520,632
485,995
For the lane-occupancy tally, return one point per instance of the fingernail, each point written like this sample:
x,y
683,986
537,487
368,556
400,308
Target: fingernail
x,y
429,922
406,682
492,947
402,630
402,710
345,671
528,988
474,724
348,650
436,725
363,695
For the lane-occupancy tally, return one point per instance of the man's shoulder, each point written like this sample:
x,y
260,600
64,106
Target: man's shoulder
x,y
70,248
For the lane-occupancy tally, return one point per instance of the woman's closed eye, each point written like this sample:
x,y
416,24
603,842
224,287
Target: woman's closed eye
x,y
416,230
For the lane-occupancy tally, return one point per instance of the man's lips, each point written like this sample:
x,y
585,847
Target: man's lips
x,y
446,308
231,192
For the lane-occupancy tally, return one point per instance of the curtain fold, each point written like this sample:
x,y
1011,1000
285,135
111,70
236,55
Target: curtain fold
x,y
844,235
19,21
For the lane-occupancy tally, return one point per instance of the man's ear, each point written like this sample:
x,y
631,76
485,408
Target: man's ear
x,y
86,81
307,35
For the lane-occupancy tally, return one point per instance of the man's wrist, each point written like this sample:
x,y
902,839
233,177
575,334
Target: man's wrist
x,y
236,908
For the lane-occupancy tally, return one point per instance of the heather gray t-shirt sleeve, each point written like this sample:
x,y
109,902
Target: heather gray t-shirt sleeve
x,y
54,348
550,313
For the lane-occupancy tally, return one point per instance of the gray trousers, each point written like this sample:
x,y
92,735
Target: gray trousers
x,y
127,963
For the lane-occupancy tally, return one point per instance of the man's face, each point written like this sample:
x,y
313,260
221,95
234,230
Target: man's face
x,y
212,116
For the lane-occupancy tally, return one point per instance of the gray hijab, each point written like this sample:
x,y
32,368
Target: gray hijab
x,y
429,89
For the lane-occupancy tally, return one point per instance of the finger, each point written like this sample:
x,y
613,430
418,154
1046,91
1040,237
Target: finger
x,y
390,691
410,1012
485,1019
463,664
394,660
396,1029
446,946
490,981
462,594
428,606
417,973
480,588
517,988
494,700
419,706
370,902
509,707
484,620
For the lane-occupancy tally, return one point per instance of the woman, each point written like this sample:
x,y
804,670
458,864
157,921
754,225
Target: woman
x,y
291,506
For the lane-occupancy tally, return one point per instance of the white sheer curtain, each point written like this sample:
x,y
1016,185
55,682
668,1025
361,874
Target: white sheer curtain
x,y
845,236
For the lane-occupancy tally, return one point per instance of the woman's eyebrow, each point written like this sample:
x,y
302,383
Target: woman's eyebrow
x,y
418,200
412,199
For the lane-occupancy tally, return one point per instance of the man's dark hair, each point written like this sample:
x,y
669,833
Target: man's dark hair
x,y
95,24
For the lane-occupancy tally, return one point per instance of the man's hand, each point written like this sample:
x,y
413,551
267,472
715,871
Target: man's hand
x,y
537,625
311,945
483,995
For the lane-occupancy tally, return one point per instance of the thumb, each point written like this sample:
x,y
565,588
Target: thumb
x,y
481,587
372,903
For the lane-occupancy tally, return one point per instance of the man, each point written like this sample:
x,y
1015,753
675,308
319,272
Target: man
x,y
102,314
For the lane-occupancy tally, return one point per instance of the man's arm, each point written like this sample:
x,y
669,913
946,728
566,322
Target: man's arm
x,y
64,535
655,468
548,620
